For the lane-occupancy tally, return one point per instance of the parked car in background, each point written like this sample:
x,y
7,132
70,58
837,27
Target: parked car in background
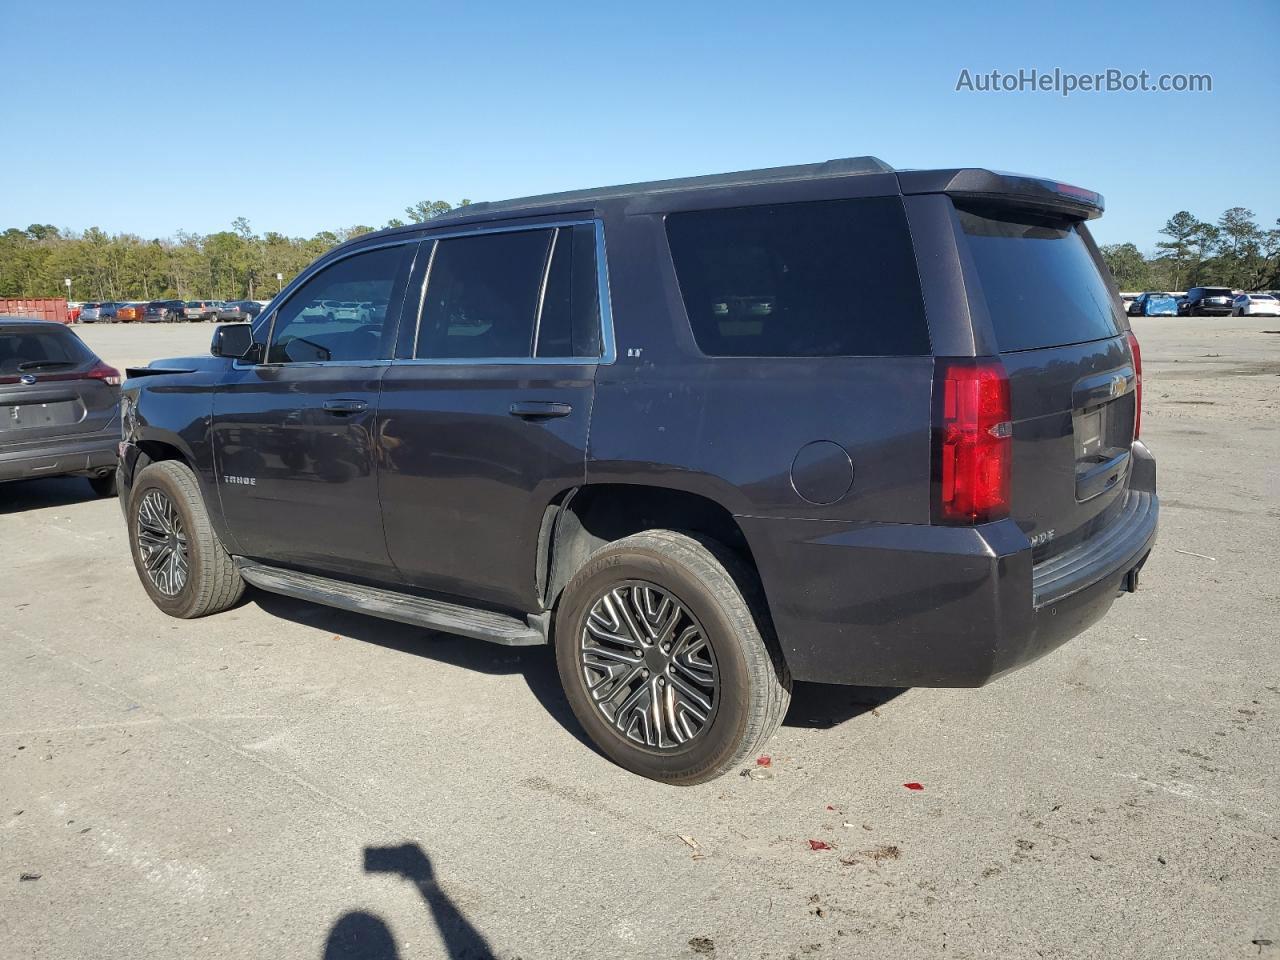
x,y
242,309
164,310
60,405
73,311
201,310
130,312
1151,304
1255,305
98,311
1206,301
783,481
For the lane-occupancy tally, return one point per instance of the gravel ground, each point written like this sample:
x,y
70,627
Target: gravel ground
x,y
286,780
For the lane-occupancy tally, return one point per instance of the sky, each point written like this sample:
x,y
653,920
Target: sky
x,y
151,117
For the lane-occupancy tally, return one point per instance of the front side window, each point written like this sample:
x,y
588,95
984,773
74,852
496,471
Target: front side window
x,y
313,325
828,279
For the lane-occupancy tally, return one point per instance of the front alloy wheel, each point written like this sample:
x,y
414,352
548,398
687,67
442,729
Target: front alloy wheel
x,y
162,543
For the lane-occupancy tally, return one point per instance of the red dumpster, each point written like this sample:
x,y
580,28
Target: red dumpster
x,y
43,309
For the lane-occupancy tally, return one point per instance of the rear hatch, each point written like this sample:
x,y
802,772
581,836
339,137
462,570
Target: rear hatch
x,y
1072,379
52,386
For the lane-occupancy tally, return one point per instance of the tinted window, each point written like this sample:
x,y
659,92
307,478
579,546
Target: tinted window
x,y
800,280
31,350
570,322
1042,287
309,327
482,296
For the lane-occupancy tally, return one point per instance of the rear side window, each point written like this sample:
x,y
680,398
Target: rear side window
x,y
1042,287
482,296
828,279
511,296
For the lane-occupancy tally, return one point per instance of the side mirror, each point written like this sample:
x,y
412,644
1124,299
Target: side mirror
x,y
234,341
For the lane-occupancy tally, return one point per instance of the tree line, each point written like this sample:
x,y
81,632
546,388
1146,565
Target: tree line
x,y
241,264
231,264
1234,252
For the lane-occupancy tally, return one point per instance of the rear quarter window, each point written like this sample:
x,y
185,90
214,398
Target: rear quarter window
x,y
827,279
1042,286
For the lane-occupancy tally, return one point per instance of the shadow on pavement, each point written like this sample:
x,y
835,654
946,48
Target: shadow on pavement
x,y
820,706
361,935
537,665
813,705
17,496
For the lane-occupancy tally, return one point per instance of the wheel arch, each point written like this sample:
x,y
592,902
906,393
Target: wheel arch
x,y
586,518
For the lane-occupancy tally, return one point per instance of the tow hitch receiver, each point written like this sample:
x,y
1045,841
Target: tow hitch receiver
x,y
1130,582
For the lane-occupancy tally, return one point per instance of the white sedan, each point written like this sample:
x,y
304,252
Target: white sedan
x,y
1255,305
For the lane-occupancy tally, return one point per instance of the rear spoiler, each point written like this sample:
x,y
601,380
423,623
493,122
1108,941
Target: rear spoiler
x,y
132,372
1011,189
158,368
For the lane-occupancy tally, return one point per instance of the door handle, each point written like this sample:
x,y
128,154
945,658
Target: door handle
x,y
540,409
344,406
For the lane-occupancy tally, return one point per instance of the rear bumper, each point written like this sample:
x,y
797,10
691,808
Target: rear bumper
x,y
916,605
51,458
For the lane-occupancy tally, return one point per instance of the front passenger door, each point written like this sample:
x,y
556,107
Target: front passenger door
x,y
293,435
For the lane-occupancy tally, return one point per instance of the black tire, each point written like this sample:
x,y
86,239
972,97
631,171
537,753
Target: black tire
x,y
724,600
105,485
212,583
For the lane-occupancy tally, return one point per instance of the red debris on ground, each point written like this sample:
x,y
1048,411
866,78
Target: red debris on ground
x,y
764,761
914,786
819,845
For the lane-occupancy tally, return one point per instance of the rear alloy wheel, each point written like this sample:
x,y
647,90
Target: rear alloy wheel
x,y
178,556
648,666
660,644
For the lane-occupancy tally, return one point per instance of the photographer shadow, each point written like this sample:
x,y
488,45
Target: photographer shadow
x,y
360,935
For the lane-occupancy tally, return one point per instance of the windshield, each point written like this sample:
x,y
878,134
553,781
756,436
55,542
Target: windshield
x,y
1041,284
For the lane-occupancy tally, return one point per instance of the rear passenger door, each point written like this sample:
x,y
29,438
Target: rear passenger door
x,y
484,412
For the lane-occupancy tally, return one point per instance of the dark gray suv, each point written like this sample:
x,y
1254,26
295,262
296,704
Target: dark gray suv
x,y
58,405
832,422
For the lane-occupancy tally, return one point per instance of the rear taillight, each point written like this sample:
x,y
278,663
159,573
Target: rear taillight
x,y
974,445
105,373
1137,389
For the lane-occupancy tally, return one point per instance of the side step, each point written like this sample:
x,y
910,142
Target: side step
x,y
390,605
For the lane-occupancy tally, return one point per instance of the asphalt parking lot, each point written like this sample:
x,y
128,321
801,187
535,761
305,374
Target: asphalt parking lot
x,y
286,780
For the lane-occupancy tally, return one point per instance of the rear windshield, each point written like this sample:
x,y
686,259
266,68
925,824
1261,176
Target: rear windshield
x,y
829,279
30,350
1042,287
1215,292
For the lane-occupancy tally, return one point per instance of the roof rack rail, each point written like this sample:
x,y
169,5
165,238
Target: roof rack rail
x,y
843,167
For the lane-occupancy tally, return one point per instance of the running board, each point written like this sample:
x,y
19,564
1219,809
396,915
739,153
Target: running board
x,y
391,605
